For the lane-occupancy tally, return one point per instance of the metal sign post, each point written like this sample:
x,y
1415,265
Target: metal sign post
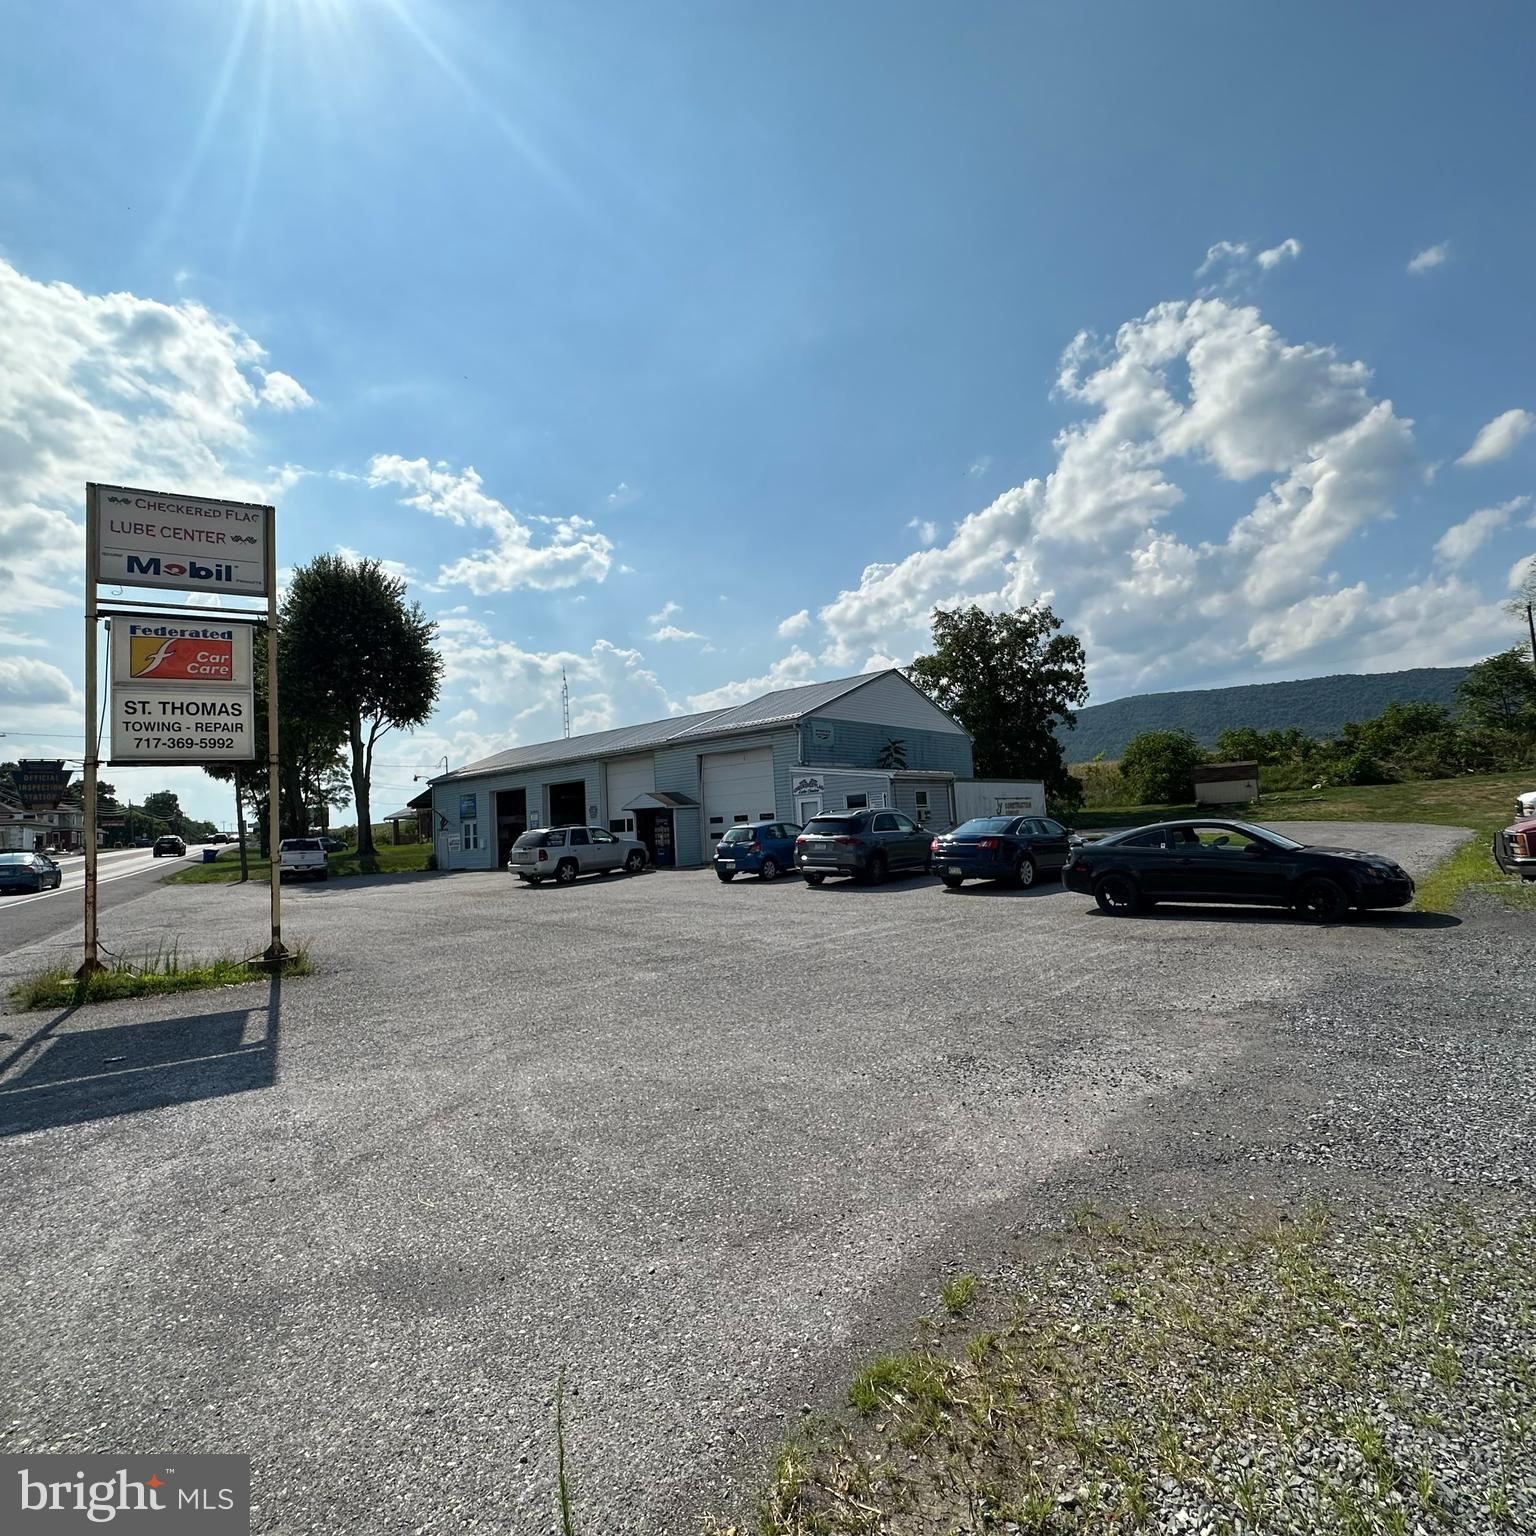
x,y
275,951
92,962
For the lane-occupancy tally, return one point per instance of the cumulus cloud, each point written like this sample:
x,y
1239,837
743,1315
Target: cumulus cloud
x,y
1288,250
1429,258
572,552
672,632
1223,251
114,387
1462,540
926,531
1288,434
787,672
1498,438
795,624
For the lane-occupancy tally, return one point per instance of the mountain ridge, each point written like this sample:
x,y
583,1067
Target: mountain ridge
x,y
1318,706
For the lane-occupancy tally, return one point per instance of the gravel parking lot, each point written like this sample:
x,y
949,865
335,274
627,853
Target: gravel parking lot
x,y
706,1147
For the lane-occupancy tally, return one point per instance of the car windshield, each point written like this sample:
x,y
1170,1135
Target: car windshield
x,y
531,840
985,826
830,826
740,835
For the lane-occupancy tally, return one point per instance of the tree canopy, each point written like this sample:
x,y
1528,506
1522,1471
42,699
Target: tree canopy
x,y
1159,766
1009,679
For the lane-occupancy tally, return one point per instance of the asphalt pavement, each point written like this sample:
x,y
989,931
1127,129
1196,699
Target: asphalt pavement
x,y
702,1147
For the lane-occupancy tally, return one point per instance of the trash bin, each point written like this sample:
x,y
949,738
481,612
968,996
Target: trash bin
x,y
209,855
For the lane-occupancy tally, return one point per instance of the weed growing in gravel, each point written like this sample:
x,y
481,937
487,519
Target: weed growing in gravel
x,y
563,1476
958,1294
1305,1376
157,971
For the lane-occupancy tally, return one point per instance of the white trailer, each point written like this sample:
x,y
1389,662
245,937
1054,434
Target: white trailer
x,y
998,797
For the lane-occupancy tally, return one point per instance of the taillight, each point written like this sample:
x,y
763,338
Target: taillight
x,y
933,847
847,842
542,855
754,847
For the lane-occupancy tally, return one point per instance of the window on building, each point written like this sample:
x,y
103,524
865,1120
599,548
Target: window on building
x,y
469,831
920,800
858,802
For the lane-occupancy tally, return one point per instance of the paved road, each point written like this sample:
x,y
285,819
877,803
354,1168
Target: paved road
x,y
124,875
705,1147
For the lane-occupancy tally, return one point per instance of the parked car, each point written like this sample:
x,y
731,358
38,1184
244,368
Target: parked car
x,y
762,848
563,853
1017,849
170,845
1514,849
868,845
1231,861
143,842
335,844
29,872
302,857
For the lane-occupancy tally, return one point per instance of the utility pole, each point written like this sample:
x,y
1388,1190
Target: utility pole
x,y
91,964
1530,622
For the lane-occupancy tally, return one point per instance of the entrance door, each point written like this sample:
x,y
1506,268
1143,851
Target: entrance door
x,y
806,807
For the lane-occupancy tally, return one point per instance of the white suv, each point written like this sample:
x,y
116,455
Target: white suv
x,y
563,853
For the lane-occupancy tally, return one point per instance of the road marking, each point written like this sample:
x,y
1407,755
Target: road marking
x,y
73,890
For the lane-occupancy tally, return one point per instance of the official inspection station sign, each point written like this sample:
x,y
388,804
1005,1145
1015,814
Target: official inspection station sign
x,y
148,648
189,543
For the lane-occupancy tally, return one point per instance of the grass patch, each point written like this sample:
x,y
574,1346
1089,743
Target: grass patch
x,y
957,1294
154,974
1297,1375
391,858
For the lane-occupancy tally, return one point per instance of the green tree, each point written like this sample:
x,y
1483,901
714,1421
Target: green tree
x,y
1499,693
164,808
1009,679
355,654
1159,766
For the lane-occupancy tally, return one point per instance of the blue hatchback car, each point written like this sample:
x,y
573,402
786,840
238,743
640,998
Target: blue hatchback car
x,y
762,848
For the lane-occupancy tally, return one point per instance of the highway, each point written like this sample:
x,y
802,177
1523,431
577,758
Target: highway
x,y
125,874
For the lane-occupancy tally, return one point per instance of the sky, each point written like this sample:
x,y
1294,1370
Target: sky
x,y
696,350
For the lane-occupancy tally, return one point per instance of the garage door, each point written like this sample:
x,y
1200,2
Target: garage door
x,y
628,777
737,786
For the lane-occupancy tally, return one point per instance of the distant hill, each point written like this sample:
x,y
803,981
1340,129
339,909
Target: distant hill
x,y
1319,706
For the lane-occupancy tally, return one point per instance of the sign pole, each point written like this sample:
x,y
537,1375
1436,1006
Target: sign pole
x,y
275,951
91,963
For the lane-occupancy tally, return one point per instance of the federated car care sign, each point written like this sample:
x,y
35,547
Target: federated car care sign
x,y
157,650
165,539
182,691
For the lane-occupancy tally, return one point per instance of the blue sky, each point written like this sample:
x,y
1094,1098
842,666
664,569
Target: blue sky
x,y
697,349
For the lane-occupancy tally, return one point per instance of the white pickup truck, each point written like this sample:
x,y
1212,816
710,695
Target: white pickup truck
x,y
302,857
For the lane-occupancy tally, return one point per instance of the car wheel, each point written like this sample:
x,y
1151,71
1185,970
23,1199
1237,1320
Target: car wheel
x,y
1117,895
877,871
954,882
1323,900
566,872
770,869
725,876
635,862
811,879
1024,872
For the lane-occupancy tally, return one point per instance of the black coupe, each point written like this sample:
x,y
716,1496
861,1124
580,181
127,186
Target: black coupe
x,y
1230,861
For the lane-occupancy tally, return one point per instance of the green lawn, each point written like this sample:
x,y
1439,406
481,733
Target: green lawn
x,y
392,859
1483,802
152,974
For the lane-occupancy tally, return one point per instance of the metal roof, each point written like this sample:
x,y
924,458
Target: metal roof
x,y
777,708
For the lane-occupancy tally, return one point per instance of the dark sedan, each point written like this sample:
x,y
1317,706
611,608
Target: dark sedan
x,y
1231,861
1017,849
29,872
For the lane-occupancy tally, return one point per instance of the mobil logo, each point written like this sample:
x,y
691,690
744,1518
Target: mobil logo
x,y
190,570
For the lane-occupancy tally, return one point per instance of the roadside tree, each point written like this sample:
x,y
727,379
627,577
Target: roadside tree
x,y
1158,766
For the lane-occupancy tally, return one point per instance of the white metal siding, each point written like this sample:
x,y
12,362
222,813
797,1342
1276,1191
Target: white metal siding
x,y
628,777
892,701
994,797
737,786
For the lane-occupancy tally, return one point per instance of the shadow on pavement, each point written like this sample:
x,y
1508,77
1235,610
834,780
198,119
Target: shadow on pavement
x,y
1282,917
67,1079
1045,885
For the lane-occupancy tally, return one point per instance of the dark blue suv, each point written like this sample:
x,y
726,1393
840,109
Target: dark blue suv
x,y
764,848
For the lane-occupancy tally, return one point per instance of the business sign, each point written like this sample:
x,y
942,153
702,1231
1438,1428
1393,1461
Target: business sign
x,y
809,784
149,649
822,734
190,543
170,723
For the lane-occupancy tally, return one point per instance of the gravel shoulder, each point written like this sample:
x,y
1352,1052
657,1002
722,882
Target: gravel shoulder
x,y
706,1147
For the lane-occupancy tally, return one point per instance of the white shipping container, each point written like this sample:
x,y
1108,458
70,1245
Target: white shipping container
x,y
998,797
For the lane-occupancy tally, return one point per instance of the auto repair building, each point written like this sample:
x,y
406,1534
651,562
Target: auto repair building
x,y
678,784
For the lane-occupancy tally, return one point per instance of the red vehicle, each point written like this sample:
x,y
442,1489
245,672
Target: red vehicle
x,y
1514,849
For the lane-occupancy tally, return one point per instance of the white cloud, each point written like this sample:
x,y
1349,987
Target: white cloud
x,y
572,553
795,624
672,632
621,496
788,671
27,683
927,531
668,609
114,387
1288,250
1462,540
1223,251
1498,438
1429,258
980,466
